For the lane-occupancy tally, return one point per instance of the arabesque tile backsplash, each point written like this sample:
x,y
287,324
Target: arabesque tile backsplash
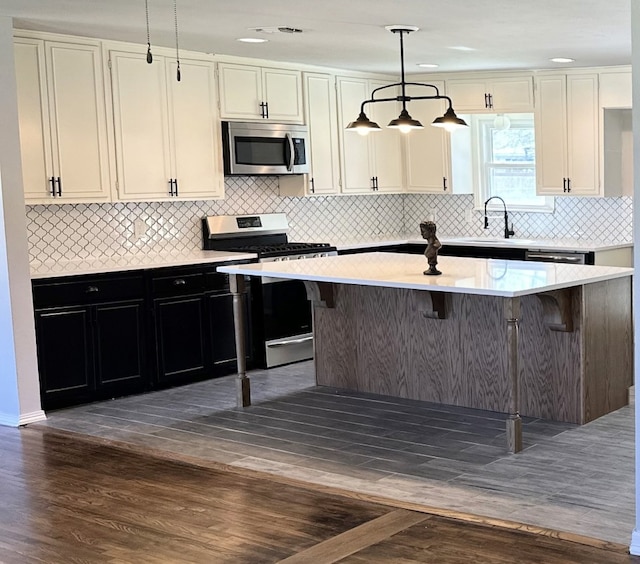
x,y
71,231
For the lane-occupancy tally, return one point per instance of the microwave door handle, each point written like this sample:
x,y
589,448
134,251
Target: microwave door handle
x,y
291,152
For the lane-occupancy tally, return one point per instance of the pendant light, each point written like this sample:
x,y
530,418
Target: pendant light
x,y
146,12
404,122
175,19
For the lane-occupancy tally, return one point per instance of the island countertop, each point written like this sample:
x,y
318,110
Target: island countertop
x,y
491,277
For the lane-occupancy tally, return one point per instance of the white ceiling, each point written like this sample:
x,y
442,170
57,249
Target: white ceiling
x,y
350,34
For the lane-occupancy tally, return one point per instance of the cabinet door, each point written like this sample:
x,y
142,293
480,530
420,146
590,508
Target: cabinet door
x,y
141,129
283,94
356,169
583,135
615,89
387,143
512,94
33,117
427,154
120,348
240,91
468,94
322,120
78,121
222,333
551,144
65,356
181,339
194,130
61,112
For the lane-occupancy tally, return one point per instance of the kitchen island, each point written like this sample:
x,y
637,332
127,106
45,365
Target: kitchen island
x,y
545,340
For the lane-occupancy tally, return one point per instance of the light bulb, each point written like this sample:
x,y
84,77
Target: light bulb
x,y
364,131
405,128
501,122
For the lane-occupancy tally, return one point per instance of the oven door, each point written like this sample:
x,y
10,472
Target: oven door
x,y
286,321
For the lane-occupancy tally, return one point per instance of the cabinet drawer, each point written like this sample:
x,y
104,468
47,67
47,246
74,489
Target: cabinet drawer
x,y
217,282
178,284
54,293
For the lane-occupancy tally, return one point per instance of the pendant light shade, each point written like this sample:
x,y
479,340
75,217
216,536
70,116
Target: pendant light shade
x,y
404,122
450,121
363,125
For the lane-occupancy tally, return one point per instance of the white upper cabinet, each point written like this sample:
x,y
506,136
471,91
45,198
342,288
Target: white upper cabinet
x,y
167,134
61,111
321,118
499,94
567,138
256,93
615,89
428,162
371,163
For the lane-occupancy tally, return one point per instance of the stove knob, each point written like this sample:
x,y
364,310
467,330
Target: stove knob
x,y
284,258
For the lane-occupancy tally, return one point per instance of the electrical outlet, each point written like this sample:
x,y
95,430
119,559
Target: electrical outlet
x,y
468,215
139,229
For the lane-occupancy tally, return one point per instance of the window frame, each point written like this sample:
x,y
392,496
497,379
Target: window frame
x,y
480,125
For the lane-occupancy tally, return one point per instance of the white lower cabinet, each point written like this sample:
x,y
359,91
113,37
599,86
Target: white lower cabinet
x,y
62,119
322,121
371,163
567,135
167,135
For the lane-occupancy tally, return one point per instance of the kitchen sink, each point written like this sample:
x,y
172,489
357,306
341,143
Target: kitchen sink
x,y
491,242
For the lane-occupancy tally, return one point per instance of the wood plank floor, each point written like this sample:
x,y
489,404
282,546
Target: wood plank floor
x,y
578,479
71,499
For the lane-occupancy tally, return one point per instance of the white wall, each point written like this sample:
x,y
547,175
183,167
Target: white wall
x,y
19,390
635,61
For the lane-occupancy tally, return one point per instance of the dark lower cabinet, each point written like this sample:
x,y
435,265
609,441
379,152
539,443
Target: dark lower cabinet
x,y
109,335
192,319
90,335
65,356
181,339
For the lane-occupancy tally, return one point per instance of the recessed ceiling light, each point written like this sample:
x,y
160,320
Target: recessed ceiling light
x,y
463,48
252,40
428,65
562,60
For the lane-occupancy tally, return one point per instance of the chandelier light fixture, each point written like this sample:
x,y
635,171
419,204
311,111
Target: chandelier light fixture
x,y
404,122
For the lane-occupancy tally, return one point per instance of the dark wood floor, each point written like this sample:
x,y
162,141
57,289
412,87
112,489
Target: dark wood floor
x,y
69,499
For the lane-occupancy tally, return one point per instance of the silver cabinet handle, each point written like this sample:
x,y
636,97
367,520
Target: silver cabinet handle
x,y
556,258
292,154
291,342
179,282
92,290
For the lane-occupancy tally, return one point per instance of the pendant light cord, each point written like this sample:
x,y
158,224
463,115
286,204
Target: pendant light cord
x,y
175,17
146,11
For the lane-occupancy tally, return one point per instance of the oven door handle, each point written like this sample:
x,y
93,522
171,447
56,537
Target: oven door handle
x,y
292,153
291,342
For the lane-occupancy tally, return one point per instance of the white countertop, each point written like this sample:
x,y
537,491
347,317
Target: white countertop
x,y
580,245
491,277
131,262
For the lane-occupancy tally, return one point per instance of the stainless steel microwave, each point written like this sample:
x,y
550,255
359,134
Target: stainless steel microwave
x,y
264,148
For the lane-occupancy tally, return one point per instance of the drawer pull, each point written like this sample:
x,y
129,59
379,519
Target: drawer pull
x,y
92,290
179,282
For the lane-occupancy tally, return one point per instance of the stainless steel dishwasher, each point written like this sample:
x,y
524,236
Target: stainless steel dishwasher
x,y
573,257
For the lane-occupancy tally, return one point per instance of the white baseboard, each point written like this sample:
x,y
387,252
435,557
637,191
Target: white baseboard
x,y
634,549
24,419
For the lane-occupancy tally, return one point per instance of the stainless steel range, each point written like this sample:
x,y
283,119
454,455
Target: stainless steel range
x,y
281,326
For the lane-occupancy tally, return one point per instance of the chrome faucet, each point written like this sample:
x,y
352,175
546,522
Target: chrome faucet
x,y
508,231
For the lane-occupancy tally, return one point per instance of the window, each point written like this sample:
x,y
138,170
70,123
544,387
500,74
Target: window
x,y
503,156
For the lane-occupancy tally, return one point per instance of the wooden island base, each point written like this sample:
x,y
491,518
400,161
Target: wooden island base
x,y
573,357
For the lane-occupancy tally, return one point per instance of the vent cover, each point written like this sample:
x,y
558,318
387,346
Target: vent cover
x,y
279,29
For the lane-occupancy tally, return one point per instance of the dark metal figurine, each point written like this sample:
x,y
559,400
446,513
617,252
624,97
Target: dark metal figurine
x,y
428,231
